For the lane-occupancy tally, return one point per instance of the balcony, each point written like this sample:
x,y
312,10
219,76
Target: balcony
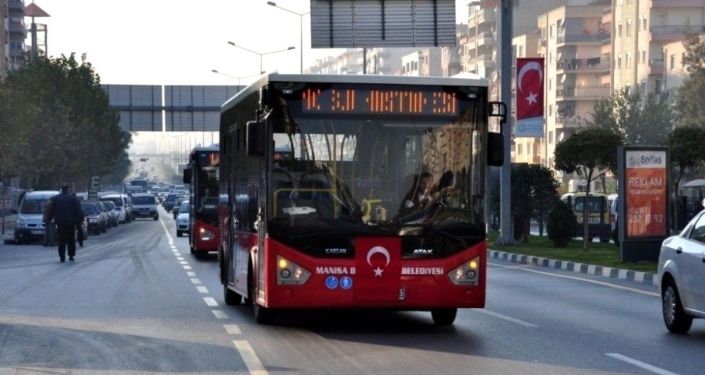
x,y
15,5
568,121
670,33
582,92
17,28
592,64
585,37
482,16
676,3
656,67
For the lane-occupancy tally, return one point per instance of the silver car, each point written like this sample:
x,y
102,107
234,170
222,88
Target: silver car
x,y
681,270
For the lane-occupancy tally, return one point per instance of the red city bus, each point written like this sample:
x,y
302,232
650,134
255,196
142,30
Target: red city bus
x,y
355,192
202,176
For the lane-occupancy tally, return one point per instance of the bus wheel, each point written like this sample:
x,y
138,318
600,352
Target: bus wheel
x,y
231,298
444,317
263,315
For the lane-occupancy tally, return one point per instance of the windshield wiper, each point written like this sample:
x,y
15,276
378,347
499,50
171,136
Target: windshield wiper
x,y
433,230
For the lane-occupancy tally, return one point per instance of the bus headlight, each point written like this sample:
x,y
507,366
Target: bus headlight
x,y
290,273
467,274
205,234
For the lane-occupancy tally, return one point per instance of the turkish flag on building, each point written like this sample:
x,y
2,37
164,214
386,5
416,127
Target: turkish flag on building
x,y
529,97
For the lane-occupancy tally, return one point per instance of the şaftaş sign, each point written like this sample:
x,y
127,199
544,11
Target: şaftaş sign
x,y
644,209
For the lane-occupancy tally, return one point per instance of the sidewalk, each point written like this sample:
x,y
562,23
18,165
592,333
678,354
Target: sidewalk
x,y
648,278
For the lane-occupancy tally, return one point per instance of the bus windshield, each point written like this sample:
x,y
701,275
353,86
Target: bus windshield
x,y
416,176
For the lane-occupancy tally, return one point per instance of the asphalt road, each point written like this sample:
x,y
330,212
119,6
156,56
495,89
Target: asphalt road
x,y
135,301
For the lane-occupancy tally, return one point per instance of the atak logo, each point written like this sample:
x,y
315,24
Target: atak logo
x,y
378,250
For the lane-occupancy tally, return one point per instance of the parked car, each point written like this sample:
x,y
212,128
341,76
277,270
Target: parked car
x,y
103,206
145,206
121,206
30,216
681,271
182,221
113,214
95,219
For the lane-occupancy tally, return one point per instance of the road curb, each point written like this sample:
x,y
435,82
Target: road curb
x,y
647,278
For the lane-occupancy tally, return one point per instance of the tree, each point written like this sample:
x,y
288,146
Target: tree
x,y
687,151
534,191
585,153
56,108
691,92
639,119
561,224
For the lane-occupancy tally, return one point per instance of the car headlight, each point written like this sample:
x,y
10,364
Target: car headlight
x,y
92,220
205,234
467,274
20,223
290,273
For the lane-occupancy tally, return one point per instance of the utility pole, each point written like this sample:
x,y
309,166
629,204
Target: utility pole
x,y
505,62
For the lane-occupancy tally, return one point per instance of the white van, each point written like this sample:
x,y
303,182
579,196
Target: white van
x,y
30,216
121,206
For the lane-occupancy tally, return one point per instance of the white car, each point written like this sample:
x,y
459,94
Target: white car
x,y
182,221
681,271
144,205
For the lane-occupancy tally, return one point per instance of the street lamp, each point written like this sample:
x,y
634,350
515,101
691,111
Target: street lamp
x,y
216,71
260,53
301,32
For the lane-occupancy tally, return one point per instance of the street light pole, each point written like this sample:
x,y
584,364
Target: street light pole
x,y
216,71
301,32
260,54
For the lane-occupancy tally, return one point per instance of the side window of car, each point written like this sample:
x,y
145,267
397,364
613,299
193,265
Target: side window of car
x,y
698,231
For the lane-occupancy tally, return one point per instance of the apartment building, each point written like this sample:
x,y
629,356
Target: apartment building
x,y
640,30
571,40
674,70
450,56
4,60
348,62
16,33
425,62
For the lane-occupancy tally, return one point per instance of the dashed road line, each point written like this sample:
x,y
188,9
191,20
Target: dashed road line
x,y
202,289
210,301
196,281
180,258
220,314
232,329
190,274
187,267
183,262
601,283
640,364
250,357
505,317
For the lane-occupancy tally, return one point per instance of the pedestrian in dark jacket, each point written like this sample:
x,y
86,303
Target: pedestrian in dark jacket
x,y
65,210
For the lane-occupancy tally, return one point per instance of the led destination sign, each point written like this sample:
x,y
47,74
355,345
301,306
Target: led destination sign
x,y
379,101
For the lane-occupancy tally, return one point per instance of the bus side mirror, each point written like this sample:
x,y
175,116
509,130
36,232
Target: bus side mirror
x,y
495,149
187,175
256,138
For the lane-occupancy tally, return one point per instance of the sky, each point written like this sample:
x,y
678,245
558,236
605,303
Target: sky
x,y
160,42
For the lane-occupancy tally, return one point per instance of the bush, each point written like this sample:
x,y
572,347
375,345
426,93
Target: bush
x,y
562,224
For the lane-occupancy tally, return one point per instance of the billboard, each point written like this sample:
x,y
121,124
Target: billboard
x,y
644,208
529,97
388,23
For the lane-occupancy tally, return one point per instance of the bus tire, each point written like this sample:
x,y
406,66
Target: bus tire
x,y
444,317
263,315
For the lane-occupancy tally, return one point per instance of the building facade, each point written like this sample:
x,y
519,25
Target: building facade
x,y
16,33
571,42
674,73
640,30
4,58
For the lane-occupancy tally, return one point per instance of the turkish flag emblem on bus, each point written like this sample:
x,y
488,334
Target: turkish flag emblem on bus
x,y
529,97
378,269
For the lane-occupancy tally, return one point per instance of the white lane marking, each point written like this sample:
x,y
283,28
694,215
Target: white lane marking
x,y
250,357
232,329
220,314
180,258
640,364
601,283
210,301
505,317
196,281
191,274
183,262
187,267
202,289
